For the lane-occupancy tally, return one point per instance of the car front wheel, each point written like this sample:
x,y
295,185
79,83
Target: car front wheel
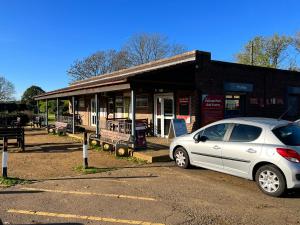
x,y
270,180
181,158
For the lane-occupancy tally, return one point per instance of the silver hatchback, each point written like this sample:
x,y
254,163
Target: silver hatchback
x,y
261,149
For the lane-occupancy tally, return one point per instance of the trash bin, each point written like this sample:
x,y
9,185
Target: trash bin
x,y
140,133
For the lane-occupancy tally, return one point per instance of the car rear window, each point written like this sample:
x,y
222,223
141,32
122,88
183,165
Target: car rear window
x,y
289,134
244,133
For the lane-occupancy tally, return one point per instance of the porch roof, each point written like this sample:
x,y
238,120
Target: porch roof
x,y
117,80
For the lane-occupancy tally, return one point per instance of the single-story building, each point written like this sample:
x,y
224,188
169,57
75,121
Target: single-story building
x,y
191,86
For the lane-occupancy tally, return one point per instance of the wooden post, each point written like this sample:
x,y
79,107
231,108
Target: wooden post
x,y
85,151
97,114
47,113
37,107
4,158
133,111
73,112
57,109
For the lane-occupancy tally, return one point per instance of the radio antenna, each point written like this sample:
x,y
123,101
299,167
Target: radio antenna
x,y
285,112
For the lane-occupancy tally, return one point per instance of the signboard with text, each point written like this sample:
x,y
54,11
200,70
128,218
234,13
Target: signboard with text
x,y
212,108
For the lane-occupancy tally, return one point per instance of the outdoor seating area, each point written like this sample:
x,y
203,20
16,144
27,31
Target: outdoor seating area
x,y
16,133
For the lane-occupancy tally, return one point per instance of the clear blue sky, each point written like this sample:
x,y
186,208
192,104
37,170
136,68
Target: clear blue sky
x,y
40,39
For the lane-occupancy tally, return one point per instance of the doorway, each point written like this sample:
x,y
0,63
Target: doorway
x,y
163,113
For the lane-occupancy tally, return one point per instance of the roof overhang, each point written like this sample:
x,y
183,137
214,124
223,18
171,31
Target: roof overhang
x,y
117,80
91,90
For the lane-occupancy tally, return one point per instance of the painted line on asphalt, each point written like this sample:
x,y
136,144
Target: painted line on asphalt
x,y
74,216
91,193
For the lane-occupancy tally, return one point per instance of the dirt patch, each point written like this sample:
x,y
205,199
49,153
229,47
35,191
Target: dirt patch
x,y
49,156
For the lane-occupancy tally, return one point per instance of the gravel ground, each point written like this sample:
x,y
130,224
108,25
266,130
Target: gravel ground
x,y
48,156
194,196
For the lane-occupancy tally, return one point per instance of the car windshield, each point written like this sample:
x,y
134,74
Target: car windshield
x,y
289,134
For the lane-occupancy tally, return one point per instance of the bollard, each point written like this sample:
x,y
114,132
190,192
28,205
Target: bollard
x,y
85,151
4,158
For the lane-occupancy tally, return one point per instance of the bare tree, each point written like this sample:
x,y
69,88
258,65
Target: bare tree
x,y
7,90
144,48
98,63
297,41
139,49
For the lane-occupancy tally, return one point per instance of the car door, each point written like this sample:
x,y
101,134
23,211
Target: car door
x,y
241,149
208,153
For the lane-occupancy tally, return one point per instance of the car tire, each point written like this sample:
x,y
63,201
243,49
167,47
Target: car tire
x,y
181,158
270,180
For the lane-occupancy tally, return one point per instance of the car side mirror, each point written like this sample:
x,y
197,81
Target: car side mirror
x,y
203,139
199,138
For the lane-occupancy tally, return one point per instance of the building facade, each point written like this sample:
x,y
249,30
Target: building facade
x,y
190,86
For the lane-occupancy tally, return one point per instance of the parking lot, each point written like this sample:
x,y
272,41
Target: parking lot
x,y
148,194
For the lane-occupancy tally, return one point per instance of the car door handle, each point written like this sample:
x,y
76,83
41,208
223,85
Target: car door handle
x,y
216,147
251,150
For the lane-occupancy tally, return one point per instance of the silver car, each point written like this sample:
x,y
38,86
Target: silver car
x,y
261,149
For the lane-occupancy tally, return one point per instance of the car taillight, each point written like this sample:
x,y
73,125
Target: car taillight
x,y
289,154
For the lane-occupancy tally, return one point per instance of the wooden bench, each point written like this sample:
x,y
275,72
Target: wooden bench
x,y
113,141
14,133
58,128
36,121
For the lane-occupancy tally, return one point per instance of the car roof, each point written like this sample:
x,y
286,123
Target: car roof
x,y
258,121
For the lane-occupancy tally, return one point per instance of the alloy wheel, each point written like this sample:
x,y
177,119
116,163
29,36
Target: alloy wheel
x,y
269,181
180,158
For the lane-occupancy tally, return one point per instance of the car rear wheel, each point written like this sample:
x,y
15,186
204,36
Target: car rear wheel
x,y
181,158
270,180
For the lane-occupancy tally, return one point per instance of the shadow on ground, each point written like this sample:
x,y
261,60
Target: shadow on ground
x,y
48,148
99,178
19,192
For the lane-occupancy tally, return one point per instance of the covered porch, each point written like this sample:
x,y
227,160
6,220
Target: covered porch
x,y
149,96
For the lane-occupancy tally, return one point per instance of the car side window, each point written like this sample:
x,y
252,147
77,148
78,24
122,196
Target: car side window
x,y
215,132
244,133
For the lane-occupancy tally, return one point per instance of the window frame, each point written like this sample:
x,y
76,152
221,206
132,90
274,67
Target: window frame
x,y
226,135
143,97
235,124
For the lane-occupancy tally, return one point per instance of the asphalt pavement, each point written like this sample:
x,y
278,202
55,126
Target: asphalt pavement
x,y
154,194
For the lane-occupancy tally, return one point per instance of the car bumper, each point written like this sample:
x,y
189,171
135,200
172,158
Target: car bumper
x,y
292,174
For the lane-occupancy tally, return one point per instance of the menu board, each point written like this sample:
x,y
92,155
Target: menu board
x,y
177,128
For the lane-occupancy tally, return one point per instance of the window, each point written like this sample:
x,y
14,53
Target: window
x,y
244,133
110,105
216,132
81,103
142,101
293,105
288,135
119,104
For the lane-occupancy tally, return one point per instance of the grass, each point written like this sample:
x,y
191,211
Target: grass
x,y
12,181
92,170
97,148
133,159
51,117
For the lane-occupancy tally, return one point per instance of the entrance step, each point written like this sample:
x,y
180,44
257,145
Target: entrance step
x,y
152,156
